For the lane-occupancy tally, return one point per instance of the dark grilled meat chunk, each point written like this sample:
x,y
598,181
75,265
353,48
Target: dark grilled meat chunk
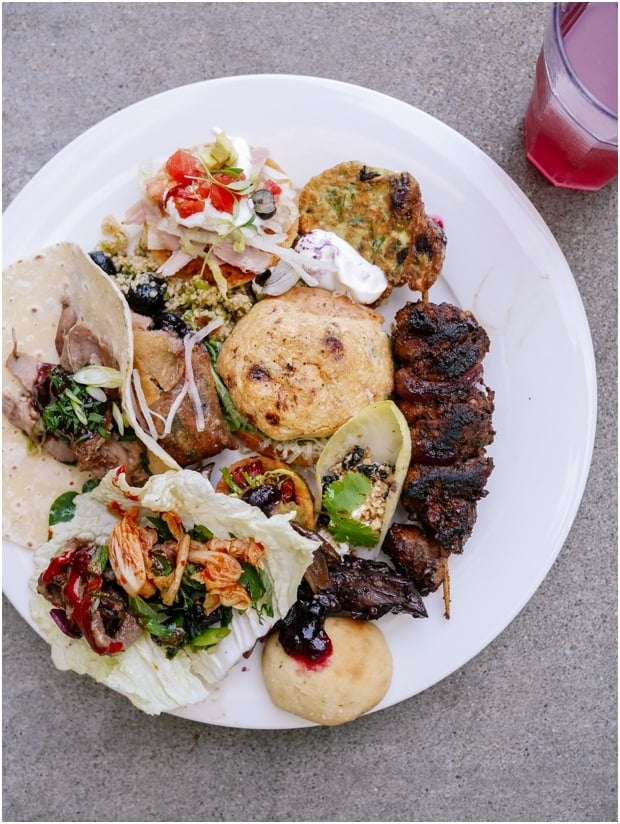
x,y
448,430
443,498
409,386
441,341
368,589
416,555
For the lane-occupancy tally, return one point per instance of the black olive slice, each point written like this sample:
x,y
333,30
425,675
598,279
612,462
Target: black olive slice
x,y
264,203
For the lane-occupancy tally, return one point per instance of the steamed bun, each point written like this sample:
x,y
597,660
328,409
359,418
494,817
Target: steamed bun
x,y
352,681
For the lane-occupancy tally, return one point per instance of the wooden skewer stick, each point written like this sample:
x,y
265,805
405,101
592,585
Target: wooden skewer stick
x,y
446,587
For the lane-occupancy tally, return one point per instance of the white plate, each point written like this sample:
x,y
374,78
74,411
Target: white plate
x,y
502,263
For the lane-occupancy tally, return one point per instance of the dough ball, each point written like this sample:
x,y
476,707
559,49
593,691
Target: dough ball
x,y
353,680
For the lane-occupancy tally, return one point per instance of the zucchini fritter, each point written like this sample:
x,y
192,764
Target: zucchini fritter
x,y
381,214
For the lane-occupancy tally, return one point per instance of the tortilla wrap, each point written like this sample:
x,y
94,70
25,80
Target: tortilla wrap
x,y
33,293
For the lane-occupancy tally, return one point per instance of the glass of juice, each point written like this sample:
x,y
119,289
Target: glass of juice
x,y
571,123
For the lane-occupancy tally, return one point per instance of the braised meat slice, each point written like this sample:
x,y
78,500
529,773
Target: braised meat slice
x,y
79,346
85,602
97,455
443,498
416,555
369,589
440,340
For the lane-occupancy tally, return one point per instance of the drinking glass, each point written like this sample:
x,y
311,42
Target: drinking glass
x,y
571,123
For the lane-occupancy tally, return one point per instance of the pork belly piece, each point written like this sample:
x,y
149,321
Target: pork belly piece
x,y
159,357
443,498
441,341
416,555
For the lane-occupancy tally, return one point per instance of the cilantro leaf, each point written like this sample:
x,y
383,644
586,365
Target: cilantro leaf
x,y
347,493
342,497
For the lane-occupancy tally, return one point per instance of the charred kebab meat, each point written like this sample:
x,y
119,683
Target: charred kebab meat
x,y
439,388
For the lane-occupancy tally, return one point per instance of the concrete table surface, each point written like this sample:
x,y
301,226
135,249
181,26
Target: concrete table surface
x,y
526,731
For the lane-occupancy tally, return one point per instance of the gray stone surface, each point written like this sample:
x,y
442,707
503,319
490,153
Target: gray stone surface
x,y
526,731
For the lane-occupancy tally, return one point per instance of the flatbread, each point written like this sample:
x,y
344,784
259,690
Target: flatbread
x,y
301,364
33,291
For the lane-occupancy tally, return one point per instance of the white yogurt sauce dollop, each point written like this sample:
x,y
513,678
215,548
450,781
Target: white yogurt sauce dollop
x,y
340,268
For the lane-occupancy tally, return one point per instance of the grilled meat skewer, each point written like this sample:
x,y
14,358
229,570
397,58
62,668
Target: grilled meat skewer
x,y
439,388
443,499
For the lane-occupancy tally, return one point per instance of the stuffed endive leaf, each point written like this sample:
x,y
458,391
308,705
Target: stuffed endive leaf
x,y
360,474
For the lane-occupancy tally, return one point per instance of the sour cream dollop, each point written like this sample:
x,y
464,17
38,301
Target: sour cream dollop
x,y
339,267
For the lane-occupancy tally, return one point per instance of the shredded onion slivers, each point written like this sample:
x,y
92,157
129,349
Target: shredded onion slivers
x,y
147,414
190,382
290,256
173,410
177,260
282,278
189,341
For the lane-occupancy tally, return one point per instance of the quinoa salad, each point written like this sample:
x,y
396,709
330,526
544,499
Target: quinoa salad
x,y
193,298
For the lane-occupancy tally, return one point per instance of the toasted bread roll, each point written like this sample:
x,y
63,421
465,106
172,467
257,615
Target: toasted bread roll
x,y
351,681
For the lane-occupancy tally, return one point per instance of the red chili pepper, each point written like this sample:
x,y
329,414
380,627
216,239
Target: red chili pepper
x,y
287,488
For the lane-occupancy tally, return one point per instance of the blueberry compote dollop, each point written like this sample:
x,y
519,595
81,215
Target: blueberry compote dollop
x,y
303,635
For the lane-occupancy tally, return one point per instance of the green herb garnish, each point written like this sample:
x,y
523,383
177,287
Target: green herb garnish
x,y
73,415
259,587
63,508
342,497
